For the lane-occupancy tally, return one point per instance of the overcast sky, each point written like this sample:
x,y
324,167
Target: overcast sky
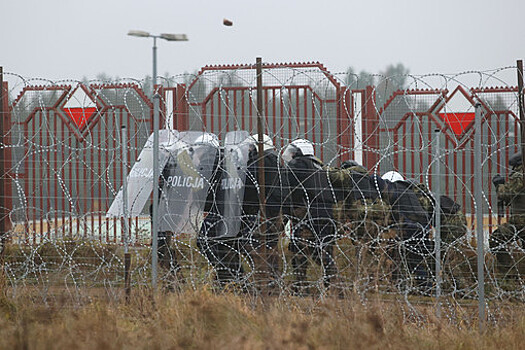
x,y
60,39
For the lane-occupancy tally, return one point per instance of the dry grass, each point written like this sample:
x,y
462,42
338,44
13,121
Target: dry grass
x,y
204,320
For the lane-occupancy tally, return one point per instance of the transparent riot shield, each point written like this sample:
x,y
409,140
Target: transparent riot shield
x,y
140,179
187,178
231,189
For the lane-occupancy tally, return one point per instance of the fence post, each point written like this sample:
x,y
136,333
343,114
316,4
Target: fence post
x,y
125,218
260,175
437,218
371,128
478,196
345,133
3,177
181,117
521,111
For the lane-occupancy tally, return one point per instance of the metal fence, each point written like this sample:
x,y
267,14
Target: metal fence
x,y
62,169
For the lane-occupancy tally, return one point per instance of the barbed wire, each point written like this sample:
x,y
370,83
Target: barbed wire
x,y
334,227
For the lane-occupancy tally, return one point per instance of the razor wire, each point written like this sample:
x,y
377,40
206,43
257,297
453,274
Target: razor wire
x,y
63,172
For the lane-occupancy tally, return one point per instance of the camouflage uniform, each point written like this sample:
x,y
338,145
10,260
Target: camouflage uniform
x,y
510,193
453,221
456,264
361,210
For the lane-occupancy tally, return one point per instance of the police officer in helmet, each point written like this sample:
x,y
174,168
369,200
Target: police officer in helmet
x,y
413,223
310,207
273,191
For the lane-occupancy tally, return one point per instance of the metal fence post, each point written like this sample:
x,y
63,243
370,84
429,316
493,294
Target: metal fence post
x,y
437,218
3,177
521,111
156,173
125,218
478,196
260,175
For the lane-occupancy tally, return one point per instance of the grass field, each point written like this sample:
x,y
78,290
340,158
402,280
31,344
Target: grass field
x,y
205,320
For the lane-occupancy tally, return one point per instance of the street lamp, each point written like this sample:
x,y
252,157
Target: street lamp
x,y
156,170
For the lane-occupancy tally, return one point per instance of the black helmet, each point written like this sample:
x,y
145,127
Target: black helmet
x,y
515,160
349,163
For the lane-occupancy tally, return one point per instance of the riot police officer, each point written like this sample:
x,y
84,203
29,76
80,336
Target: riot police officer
x,y
273,190
184,184
232,208
310,207
413,224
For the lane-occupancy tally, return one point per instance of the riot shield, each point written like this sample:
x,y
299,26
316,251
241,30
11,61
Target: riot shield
x,y
186,183
140,179
231,189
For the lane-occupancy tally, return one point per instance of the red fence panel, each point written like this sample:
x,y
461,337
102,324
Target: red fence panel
x,y
67,167
409,118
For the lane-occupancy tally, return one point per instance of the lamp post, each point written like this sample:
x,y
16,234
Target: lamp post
x,y
156,170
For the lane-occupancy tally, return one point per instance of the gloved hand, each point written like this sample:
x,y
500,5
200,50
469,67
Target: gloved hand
x,y
498,180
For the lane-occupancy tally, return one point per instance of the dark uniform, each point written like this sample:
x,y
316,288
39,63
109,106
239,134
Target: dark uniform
x,y
413,224
221,253
311,208
273,186
226,254
511,193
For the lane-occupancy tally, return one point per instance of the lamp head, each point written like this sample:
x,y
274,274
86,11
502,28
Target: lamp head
x,y
139,33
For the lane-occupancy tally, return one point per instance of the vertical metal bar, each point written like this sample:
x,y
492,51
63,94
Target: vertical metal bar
x,y
156,173
250,109
395,151
281,118
103,136
235,114
274,114
305,108
262,189
463,184
115,146
321,131
480,241
297,115
447,173
490,170
429,153
3,176
412,133
54,164
404,154
501,158
522,112
243,116
437,218
289,117
31,165
421,141
219,110
62,172
266,122
212,115
125,221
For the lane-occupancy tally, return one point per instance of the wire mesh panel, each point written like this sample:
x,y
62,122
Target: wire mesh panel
x,y
299,101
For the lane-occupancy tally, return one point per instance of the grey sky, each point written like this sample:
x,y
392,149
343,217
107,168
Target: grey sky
x,y
60,39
